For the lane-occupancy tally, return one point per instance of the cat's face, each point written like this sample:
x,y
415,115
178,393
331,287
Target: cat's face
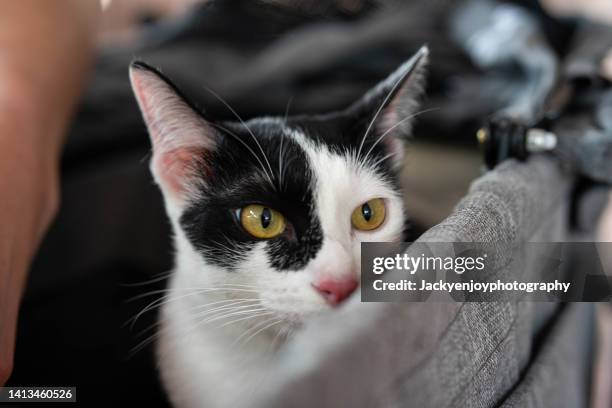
x,y
273,208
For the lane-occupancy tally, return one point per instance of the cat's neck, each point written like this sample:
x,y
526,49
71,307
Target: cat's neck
x,y
197,357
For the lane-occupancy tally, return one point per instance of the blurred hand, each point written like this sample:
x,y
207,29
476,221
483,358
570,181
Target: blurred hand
x,y
28,201
45,50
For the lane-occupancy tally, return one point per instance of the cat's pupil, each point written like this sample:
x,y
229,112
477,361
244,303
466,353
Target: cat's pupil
x,y
366,211
266,217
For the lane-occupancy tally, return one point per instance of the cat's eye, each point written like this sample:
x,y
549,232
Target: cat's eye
x,y
262,222
369,215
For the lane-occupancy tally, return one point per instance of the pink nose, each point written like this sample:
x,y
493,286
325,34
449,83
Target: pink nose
x,y
335,291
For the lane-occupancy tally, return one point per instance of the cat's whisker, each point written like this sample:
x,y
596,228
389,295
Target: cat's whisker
x,y
235,302
219,245
158,278
252,327
399,123
155,304
228,288
144,343
195,290
287,108
167,299
151,306
286,164
146,157
380,108
230,300
245,318
227,105
280,160
236,313
240,285
276,338
148,329
377,162
227,246
225,286
147,294
226,308
239,139
251,316
199,324
266,326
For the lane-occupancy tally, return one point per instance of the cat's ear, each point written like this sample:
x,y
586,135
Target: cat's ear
x,y
182,139
391,105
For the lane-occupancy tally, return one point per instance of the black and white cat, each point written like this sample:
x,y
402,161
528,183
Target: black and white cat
x,y
268,217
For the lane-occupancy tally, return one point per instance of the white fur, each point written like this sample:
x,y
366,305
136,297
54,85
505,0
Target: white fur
x,y
203,364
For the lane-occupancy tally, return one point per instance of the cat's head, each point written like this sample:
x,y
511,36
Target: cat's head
x,y
276,208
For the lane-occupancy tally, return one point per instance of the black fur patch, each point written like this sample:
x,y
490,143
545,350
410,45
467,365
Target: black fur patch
x,y
236,179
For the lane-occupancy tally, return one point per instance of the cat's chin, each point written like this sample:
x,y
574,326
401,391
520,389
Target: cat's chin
x,y
295,320
291,321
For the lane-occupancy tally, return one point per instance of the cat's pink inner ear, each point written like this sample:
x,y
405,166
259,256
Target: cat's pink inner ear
x,y
181,138
397,117
180,171
391,124
395,147
395,121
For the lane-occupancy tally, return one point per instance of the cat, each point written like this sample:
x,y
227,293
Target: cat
x,y
268,216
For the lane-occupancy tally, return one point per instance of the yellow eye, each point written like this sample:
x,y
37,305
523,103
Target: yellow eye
x,y
262,222
370,215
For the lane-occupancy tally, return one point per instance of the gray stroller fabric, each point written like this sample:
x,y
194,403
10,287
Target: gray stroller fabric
x,y
450,354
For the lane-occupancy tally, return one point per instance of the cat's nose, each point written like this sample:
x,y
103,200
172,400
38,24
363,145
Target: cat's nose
x,y
334,291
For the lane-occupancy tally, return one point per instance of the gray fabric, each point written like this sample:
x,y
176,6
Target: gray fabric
x,y
559,375
449,354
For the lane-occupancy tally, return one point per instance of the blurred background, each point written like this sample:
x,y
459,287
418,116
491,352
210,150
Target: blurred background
x,y
523,62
